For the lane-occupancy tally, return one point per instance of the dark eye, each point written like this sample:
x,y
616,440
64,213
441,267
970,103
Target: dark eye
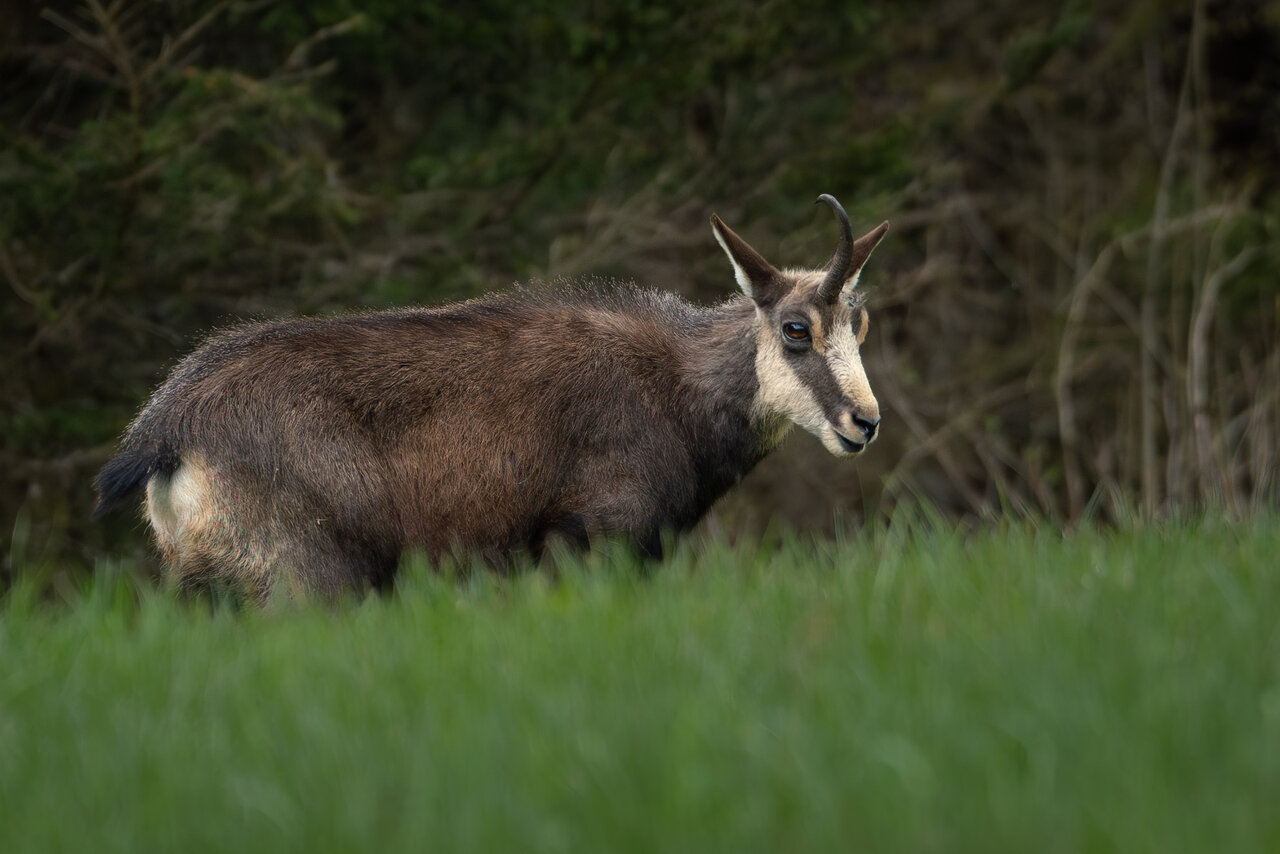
x,y
795,331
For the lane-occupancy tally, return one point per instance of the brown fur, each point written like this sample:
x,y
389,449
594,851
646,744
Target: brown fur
x,y
306,454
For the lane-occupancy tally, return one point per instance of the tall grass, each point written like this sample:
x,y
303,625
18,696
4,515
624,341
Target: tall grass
x,y
912,689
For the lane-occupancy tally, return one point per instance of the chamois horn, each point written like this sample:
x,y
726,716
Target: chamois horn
x,y
850,254
838,267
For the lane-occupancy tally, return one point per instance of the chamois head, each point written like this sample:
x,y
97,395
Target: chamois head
x,y
809,326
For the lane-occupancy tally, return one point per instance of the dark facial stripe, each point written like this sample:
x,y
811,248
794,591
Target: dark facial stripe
x,y
814,372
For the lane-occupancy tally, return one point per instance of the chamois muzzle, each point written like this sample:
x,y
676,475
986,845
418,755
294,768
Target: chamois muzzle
x,y
867,426
856,440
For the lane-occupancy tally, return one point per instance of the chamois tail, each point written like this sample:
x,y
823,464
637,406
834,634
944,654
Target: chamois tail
x,y
128,471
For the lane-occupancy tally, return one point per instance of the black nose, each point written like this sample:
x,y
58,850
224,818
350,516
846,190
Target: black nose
x,y
866,425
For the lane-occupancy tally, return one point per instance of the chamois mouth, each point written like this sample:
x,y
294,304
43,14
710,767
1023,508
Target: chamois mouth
x,y
848,445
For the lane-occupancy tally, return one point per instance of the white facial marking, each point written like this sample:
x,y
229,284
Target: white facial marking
x,y
844,354
784,397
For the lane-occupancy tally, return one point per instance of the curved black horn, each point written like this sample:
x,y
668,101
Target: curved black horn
x,y
838,266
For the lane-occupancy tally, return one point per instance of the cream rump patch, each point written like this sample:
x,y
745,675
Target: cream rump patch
x,y
180,504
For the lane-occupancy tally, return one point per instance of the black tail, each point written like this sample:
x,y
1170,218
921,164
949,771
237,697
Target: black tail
x,y
126,472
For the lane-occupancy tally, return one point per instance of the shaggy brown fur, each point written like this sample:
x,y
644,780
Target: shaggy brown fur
x,y
308,453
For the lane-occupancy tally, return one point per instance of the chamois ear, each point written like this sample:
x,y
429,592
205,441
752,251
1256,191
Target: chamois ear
x,y
755,276
862,249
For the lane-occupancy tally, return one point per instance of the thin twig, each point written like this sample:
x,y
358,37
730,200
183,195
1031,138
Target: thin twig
x,y
19,287
298,56
119,54
1198,362
170,48
1067,431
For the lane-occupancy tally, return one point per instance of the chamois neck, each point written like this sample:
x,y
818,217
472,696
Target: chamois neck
x,y
720,361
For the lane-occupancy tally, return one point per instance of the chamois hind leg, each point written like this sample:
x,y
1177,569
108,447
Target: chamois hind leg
x,y
180,507
328,563
220,534
204,545
291,556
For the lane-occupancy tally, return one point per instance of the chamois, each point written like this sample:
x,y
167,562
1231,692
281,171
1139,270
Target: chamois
x,y
309,453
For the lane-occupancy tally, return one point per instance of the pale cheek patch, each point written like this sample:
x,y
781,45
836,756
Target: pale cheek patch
x,y
781,391
846,363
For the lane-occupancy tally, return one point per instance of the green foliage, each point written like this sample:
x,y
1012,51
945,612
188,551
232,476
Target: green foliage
x,y
1029,53
1006,689
168,168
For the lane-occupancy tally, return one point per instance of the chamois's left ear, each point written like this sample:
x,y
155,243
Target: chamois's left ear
x,y
862,249
756,276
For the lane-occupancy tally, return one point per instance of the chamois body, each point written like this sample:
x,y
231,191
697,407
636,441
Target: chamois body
x,y
309,453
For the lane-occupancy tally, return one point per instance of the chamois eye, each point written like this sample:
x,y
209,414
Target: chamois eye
x,y
795,331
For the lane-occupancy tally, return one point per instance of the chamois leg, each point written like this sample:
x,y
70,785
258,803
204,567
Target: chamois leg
x,y
568,532
273,564
223,533
190,521
329,565
648,544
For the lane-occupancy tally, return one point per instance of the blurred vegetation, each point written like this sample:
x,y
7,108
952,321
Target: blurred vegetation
x,y
1075,314
917,688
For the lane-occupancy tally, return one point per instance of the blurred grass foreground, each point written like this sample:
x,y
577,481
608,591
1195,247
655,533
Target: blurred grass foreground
x,y
918,690
1075,312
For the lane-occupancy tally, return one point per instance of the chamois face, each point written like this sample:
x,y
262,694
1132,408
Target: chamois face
x,y
810,325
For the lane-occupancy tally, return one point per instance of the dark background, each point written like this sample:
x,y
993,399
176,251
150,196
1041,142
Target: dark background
x,y
1075,313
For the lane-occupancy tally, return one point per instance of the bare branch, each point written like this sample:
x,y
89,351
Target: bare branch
x,y
16,284
1198,360
1067,432
1150,402
118,53
298,56
171,47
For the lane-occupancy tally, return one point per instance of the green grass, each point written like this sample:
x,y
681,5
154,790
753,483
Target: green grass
x,y
911,689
